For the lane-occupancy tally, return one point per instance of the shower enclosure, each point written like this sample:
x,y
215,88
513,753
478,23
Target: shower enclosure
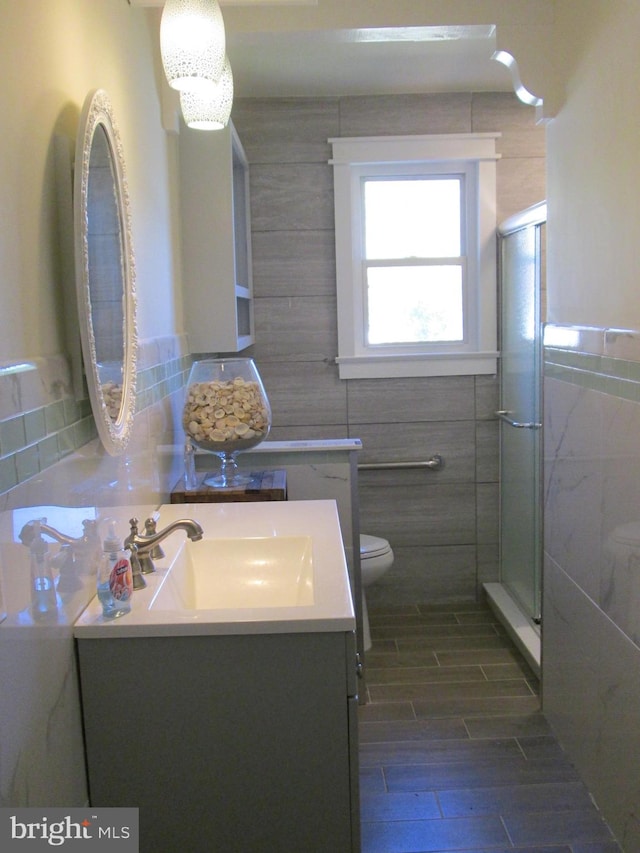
x,y
517,597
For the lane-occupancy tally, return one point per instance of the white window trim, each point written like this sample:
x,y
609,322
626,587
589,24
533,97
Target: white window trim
x,y
352,158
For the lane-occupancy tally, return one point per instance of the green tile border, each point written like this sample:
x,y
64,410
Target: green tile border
x,y
616,377
36,439
155,383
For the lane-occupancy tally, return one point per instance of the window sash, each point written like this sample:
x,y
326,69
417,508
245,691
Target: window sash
x,y
471,155
420,343
455,236
463,172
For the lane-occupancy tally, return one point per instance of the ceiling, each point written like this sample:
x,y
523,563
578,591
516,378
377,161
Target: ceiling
x,y
360,62
294,48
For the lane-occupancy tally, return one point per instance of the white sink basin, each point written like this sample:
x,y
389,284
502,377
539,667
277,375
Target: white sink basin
x,y
264,571
262,567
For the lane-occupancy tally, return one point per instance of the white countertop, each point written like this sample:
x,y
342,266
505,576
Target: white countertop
x,y
332,609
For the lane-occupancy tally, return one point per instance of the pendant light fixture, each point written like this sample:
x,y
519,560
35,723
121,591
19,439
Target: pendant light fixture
x,y
210,107
192,44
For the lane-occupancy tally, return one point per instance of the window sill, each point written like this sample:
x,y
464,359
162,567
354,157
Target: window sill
x,y
386,367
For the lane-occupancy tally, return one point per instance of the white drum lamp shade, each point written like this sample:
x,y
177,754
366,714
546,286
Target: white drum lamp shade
x,y
192,43
210,107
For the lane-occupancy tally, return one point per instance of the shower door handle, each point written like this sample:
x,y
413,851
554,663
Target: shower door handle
x,y
503,414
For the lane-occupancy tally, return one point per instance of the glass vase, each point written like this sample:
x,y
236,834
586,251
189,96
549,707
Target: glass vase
x,y
226,411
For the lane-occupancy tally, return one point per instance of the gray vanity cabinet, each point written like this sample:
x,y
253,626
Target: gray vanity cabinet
x,y
242,743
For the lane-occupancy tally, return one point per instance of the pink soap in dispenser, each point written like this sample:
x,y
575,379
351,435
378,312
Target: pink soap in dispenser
x,y
115,579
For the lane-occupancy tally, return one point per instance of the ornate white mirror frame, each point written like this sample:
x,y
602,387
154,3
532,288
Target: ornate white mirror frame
x,y
105,273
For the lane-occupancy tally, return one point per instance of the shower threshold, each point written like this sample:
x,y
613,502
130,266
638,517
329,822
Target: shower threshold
x,y
521,628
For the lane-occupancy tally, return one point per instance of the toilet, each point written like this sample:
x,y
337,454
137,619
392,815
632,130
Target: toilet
x,y
376,558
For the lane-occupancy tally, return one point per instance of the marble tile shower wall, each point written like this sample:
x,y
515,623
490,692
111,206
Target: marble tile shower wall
x,y
442,524
591,609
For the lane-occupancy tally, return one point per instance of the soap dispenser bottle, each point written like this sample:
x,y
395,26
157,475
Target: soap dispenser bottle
x,y
115,579
44,598
91,547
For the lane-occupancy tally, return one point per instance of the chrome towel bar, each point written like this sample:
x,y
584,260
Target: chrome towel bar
x,y
504,416
435,462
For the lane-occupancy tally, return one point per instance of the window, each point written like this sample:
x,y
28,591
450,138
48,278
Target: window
x,y
415,252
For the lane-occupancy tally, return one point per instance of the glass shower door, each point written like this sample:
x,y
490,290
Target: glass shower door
x,y
520,415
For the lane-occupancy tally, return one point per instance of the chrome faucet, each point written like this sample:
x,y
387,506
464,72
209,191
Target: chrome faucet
x,y
28,533
142,545
85,549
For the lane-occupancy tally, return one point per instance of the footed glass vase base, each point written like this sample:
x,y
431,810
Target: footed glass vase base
x,y
228,477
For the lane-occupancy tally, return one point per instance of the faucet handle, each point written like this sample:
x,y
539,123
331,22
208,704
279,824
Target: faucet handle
x,y
28,532
156,552
136,569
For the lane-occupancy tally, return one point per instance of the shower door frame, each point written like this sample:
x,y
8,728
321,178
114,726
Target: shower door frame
x,y
523,431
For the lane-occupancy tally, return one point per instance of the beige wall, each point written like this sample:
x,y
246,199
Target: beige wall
x,y
594,170
52,55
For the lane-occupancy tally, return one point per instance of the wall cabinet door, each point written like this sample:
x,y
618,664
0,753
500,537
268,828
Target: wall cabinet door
x,y
216,240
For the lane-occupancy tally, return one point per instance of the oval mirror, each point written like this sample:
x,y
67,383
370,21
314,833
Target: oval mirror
x,y
105,273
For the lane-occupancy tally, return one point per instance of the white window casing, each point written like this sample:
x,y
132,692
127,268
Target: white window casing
x,y
473,155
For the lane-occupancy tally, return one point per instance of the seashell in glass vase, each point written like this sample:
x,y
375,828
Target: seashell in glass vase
x,y
226,411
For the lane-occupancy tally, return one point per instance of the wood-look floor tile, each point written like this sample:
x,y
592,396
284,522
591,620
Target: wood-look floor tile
x,y
500,671
455,752
556,848
472,706
552,796
382,646
477,618
438,752
477,774
453,643
412,730
420,657
439,691
423,675
525,725
432,631
556,827
402,619
376,609
542,746
499,654
457,607
422,806
386,711
424,836
372,781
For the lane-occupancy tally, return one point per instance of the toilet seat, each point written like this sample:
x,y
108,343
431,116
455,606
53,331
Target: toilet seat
x,y
373,546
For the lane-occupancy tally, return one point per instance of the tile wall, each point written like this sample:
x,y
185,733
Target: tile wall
x,y
591,608
41,422
442,524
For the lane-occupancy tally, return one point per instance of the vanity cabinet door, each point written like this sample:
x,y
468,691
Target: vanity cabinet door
x,y
216,240
238,743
